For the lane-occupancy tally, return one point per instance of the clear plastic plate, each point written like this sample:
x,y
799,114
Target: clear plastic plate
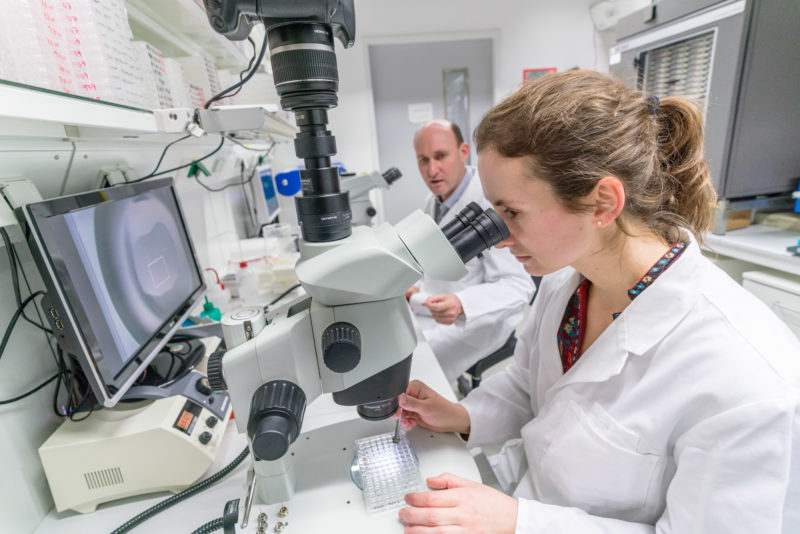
x,y
386,471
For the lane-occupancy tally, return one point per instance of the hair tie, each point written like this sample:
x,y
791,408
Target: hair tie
x,y
653,105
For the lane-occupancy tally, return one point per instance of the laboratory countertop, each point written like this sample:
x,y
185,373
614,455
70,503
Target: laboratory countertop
x,y
326,500
759,244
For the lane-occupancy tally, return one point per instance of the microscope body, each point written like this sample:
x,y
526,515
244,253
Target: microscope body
x,y
351,336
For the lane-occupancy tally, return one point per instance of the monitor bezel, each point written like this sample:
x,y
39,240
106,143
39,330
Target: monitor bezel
x,y
71,324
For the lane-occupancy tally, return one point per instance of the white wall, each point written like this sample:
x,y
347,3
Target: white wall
x,y
531,34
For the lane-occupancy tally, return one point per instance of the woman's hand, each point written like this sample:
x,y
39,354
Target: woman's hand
x,y
420,405
460,506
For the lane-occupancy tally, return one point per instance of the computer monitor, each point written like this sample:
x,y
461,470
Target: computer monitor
x,y
121,277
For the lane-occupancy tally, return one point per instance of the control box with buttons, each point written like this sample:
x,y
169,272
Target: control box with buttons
x,y
165,444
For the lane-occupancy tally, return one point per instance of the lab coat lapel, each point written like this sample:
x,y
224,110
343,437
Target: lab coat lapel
x,y
645,322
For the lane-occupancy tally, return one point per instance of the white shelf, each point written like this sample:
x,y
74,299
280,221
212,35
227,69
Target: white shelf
x,y
32,112
759,244
38,112
180,28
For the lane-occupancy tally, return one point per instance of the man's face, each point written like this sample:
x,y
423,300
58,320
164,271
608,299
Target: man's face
x,y
441,161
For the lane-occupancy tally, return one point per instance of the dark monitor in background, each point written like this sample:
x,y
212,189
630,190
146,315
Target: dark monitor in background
x,y
121,276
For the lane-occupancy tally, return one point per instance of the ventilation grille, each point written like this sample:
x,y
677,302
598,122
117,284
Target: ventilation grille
x,y
682,68
103,478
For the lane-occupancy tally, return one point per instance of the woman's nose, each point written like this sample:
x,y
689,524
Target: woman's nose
x,y
506,243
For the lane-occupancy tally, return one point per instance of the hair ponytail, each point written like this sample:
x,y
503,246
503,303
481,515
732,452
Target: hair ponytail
x,y
680,149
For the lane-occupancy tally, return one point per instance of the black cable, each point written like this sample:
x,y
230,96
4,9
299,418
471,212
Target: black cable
x,y
247,68
163,153
14,263
31,392
151,175
212,526
279,297
224,92
10,327
185,494
242,182
37,307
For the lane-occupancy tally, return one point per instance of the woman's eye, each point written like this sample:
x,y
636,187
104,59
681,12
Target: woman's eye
x,y
511,213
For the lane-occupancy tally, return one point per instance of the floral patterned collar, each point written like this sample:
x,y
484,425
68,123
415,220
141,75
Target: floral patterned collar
x,y
570,333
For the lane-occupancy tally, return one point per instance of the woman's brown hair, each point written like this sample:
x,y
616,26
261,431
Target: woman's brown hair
x,y
578,127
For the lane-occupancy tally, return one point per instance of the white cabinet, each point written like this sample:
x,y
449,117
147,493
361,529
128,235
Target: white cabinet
x,y
781,292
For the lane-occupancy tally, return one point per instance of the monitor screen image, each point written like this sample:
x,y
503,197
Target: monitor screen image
x,y
121,275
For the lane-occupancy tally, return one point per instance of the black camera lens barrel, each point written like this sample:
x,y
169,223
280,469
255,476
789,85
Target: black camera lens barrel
x,y
323,210
483,232
304,65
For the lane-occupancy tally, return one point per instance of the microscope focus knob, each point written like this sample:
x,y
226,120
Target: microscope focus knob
x,y
214,371
341,347
276,415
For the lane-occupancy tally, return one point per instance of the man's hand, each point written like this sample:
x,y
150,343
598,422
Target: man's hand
x,y
461,505
445,308
410,291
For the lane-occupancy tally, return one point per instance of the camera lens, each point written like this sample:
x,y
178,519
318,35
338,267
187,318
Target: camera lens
x,y
304,65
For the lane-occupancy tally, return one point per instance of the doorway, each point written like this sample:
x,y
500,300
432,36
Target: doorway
x,y
408,79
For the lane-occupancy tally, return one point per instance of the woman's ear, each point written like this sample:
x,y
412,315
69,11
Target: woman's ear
x,y
609,199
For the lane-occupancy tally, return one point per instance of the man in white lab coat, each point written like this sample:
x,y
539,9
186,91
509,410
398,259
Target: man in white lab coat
x,y
466,320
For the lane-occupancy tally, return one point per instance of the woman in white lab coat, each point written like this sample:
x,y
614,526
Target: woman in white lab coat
x,y
650,392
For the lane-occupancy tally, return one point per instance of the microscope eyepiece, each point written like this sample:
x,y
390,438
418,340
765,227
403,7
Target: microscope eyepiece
x,y
461,220
474,231
392,175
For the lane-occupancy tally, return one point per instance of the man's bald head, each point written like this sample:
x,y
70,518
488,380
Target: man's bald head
x,y
442,124
441,156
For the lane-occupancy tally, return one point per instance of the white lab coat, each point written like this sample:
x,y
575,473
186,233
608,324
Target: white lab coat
x,y
680,418
494,294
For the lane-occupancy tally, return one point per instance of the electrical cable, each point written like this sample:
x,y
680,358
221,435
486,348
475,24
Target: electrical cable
x,y
31,392
212,526
234,140
242,182
279,297
153,174
10,327
160,159
13,260
224,92
247,68
185,494
38,308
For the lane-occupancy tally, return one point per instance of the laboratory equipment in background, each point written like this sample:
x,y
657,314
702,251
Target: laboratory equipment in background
x,y
739,60
352,335
121,277
359,187
263,207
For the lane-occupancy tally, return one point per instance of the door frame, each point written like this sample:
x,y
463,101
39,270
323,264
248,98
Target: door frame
x,y
376,195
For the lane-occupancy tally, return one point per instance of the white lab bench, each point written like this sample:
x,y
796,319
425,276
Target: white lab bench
x,y
757,258
326,500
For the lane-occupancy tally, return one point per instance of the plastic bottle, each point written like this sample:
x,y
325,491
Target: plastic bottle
x,y
248,285
217,293
210,311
